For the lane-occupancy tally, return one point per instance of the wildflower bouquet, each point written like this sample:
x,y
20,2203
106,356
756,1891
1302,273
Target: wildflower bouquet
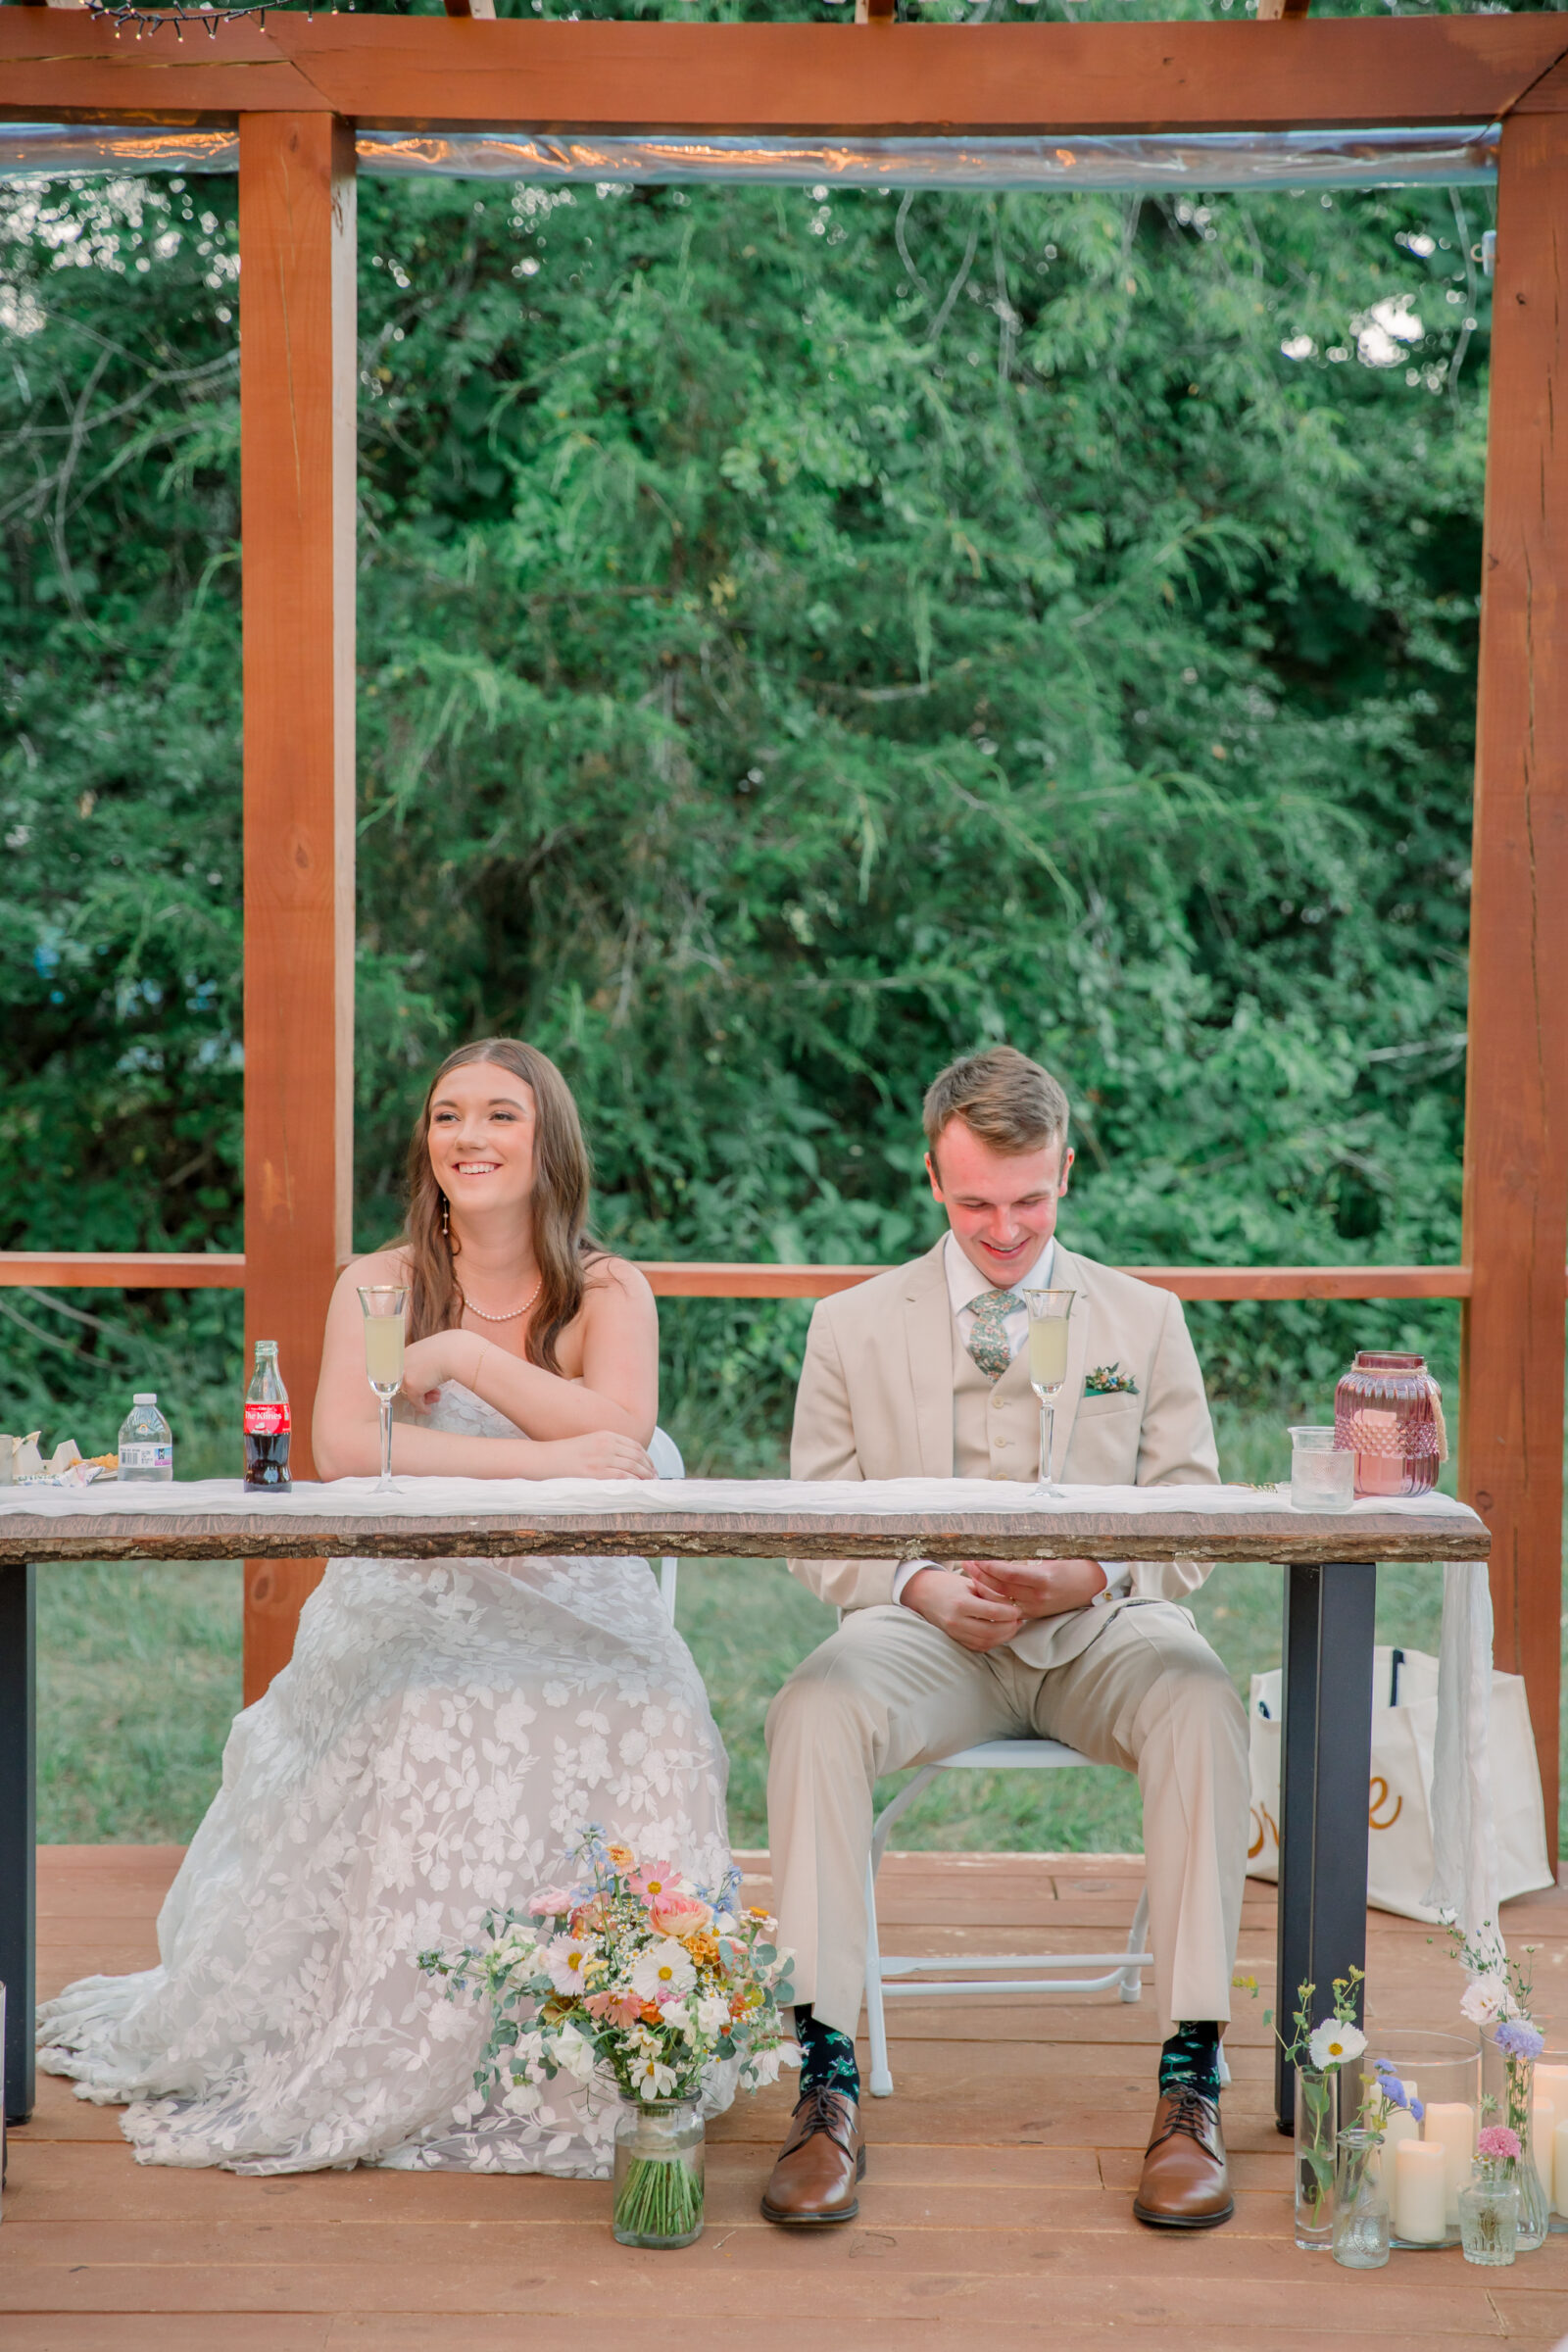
x,y
631,1972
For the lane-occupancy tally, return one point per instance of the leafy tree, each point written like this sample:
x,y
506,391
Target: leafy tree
x,y
803,634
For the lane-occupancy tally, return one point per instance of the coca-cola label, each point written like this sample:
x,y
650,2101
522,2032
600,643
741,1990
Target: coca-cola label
x,y
266,1421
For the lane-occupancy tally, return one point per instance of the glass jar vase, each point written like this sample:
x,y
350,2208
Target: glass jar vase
x,y
658,2172
1360,2206
1489,2215
1317,2118
1388,1411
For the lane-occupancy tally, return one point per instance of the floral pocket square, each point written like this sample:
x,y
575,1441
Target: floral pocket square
x,y
1105,1381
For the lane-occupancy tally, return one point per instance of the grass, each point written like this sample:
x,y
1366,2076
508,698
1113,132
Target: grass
x,y
140,1676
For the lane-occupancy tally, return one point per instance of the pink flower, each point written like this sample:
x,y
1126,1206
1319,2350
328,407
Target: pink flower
x,y
1495,2142
679,1914
551,1903
655,1879
621,2008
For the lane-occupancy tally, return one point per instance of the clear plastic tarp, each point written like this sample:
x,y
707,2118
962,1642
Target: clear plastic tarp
x,y
1208,161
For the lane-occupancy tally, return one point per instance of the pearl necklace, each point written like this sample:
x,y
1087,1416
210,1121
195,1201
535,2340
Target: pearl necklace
x,y
469,1308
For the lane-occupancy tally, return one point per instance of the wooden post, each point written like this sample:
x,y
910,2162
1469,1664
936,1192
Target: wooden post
x,y
298,384
1516,1101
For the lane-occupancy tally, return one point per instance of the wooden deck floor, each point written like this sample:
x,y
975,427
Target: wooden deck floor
x,y
995,2205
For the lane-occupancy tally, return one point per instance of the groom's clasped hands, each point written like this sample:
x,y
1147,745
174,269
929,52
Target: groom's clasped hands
x,y
982,1604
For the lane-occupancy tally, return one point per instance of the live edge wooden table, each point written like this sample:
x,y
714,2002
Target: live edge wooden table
x,y
1330,1562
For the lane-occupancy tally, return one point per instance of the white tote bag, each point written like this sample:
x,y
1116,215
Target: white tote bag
x,y
1404,1719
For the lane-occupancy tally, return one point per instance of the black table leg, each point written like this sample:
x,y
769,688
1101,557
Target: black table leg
x,y
17,1824
1325,1764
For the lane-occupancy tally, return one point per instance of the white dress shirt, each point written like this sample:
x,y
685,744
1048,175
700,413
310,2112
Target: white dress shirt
x,y
967,1286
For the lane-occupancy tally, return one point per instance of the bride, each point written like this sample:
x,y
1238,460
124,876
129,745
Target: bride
x,y
445,1729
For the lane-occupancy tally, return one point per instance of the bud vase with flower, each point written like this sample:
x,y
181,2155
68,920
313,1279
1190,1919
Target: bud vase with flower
x,y
1317,2054
1497,1998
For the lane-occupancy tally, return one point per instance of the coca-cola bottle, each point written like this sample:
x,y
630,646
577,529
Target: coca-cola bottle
x,y
266,1423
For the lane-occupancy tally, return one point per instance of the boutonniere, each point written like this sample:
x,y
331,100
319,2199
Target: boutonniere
x,y
1105,1381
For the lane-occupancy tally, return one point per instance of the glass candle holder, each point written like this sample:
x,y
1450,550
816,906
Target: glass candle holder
x,y
1322,1477
1445,2071
1549,2134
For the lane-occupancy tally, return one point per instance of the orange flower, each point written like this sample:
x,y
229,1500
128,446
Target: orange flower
x,y
621,1857
652,2013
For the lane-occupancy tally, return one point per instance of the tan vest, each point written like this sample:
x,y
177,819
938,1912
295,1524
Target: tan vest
x,y
995,1425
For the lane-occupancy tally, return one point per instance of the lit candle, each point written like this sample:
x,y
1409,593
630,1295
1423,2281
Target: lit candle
x,y
1559,2170
1421,2191
1451,2127
1542,2129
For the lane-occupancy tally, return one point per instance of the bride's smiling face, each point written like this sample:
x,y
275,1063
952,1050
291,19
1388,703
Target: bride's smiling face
x,y
481,1138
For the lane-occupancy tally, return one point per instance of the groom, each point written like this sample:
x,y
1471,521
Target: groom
x,y
923,1372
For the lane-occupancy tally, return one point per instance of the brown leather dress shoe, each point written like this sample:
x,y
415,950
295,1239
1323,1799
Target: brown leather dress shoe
x,y
1185,2185
820,2166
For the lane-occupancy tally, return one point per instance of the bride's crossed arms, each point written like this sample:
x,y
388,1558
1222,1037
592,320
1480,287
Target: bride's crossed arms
x,y
506,1298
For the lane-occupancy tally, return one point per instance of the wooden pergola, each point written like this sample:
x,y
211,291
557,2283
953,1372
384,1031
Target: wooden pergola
x,y
298,87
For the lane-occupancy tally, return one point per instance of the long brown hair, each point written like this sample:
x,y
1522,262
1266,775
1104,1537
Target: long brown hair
x,y
562,1243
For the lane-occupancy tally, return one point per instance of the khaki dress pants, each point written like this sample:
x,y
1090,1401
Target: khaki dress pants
x,y
888,1691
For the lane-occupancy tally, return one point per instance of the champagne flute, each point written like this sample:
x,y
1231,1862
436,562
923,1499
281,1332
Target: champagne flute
x,y
384,1332
1049,1314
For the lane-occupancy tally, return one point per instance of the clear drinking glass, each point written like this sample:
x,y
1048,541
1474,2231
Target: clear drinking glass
x,y
386,1315
1321,1480
1049,1312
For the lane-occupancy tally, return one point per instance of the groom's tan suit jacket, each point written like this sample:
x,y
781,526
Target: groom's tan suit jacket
x,y
888,1390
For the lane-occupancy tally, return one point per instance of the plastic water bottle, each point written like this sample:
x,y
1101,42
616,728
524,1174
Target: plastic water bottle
x,y
146,1447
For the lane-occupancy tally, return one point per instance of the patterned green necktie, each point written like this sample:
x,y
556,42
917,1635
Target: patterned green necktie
x,y
988,1341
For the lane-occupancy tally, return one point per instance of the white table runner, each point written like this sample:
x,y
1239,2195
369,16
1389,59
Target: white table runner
x,y
416,1497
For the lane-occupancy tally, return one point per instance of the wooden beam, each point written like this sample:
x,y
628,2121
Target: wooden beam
x,y
299,380
695,1278
424,72
691,1279
1516,1106
122,1270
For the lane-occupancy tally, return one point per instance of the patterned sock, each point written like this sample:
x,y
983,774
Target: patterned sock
x,y
1189,2060
827,2057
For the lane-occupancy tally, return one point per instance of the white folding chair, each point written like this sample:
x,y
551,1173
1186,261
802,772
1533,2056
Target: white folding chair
x,y
665,1455
889,1975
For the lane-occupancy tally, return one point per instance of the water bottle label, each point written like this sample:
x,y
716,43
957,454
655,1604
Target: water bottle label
x,y
146,1457
266,1421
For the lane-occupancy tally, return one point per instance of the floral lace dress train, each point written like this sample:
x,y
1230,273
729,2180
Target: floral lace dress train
x,y
442,1734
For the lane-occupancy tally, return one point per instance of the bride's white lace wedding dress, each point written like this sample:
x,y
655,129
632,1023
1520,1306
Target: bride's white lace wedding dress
x,y
443,1733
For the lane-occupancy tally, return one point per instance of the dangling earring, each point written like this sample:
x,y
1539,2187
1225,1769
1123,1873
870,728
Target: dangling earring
x,y
446,1218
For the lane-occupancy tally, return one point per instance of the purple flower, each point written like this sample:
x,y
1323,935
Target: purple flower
x,y
1517,2038
1418,2108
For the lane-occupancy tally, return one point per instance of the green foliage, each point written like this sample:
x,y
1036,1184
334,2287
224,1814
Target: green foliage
x,y
803,635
